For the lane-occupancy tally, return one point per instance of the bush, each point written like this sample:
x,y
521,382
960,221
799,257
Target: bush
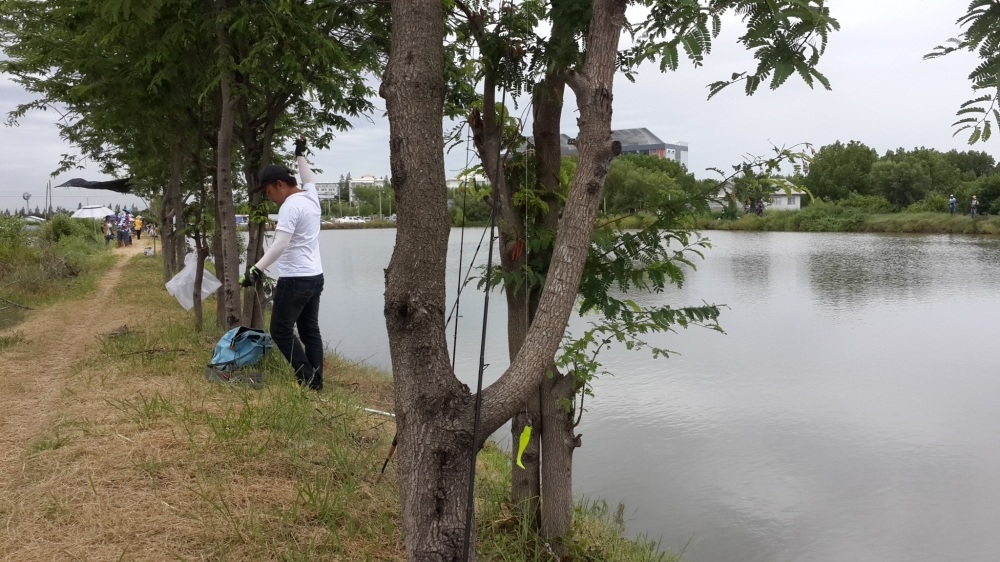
x,y
62,226
931,204
60,260
869,203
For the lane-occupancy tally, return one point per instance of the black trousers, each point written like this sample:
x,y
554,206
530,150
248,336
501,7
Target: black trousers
x,y
296,304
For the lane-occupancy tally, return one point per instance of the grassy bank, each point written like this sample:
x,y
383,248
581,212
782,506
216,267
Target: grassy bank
x,y
828,217
61,259
146,460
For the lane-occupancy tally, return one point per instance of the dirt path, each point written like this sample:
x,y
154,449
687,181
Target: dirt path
x,y
34,372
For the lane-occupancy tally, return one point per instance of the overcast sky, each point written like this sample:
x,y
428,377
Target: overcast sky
x,y
883,95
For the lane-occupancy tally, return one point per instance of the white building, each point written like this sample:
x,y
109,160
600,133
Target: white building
x,y
786,198
330,191
327,190
478,180
368,180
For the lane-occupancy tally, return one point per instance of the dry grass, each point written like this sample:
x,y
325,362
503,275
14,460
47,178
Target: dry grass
x,y
141,459
118,449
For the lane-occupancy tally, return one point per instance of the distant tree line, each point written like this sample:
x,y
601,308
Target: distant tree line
x,y
921,179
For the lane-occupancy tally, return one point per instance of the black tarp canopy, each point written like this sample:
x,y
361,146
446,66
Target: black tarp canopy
x,y
119,186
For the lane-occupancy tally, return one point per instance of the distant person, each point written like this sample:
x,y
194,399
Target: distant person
x,y
138,227
953,204
109,231
121,228
300,270
975,207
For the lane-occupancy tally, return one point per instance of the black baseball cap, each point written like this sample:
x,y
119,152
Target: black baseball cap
x,y
272,173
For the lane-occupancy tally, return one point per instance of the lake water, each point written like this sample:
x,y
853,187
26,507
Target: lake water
x,y
850,412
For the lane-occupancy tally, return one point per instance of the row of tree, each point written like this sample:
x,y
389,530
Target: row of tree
x,y
180,94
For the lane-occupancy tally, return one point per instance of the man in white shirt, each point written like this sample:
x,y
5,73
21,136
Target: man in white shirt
x,y
300,270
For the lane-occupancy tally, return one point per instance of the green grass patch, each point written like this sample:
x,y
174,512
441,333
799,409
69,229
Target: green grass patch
x,y
11,340
831,217
62,260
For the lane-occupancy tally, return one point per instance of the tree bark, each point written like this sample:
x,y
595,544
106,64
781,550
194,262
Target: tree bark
x,y
199,276
256,152
169,220
230,291
558,443
220,263
593,88
434,410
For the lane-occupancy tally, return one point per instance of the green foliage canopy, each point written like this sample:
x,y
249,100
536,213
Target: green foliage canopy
x,y
980,35
837,170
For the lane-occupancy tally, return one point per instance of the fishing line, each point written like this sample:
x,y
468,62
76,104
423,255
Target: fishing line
x,y
470,498
461,250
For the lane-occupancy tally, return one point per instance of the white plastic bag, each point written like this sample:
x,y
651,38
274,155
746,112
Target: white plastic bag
x,y
182,284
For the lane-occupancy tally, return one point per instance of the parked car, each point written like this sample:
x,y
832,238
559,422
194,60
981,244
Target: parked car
x,y
351,220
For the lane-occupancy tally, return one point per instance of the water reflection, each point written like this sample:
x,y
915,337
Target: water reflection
x,y
848,413
885,269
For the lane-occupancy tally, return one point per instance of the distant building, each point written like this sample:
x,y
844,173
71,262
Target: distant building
x,y
330,191
327,190
784,198
636,141
368,180
454,183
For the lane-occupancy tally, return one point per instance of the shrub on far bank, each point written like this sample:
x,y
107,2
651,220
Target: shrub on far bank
x,y
868,203
931,204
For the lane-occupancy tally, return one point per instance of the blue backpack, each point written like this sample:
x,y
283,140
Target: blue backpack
x,y
240,347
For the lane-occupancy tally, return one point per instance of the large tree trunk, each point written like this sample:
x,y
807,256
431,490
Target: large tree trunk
x,y
230,291
558,443
593,88
168,219
525,483
557,426
434,410
220,263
